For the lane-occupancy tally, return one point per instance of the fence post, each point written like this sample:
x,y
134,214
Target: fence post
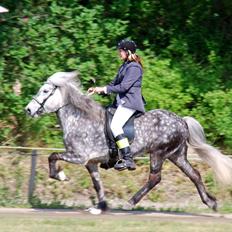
x,y
31,187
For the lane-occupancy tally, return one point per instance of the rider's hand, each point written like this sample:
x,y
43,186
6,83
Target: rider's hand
x,y
98,90
91,91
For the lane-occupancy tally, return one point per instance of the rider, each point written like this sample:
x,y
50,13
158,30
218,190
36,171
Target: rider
x,y
129,100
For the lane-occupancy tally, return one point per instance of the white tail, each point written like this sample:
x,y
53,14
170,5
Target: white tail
x,y
221,164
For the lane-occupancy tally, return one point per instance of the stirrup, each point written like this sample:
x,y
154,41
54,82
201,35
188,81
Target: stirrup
x,y
123,164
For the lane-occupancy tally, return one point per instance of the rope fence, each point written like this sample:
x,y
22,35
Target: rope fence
x,y
31,148
191,155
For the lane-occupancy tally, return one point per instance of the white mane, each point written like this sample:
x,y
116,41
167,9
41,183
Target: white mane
x,y
71,88
62,78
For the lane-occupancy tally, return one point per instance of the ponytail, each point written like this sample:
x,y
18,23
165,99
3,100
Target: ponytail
x,y
134,57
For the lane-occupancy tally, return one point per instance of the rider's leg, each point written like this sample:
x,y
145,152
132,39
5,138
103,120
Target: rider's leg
x,y
121,116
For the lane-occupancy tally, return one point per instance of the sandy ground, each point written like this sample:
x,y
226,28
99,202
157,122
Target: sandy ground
x,y
138,215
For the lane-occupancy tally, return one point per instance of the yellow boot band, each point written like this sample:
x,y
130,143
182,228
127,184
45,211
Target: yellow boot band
x,y
122,143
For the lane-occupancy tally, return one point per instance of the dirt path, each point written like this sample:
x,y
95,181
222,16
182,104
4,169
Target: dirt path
x,y
117,214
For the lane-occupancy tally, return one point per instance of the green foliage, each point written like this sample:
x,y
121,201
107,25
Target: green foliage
x,y
216,112
53,38
185,45
163,85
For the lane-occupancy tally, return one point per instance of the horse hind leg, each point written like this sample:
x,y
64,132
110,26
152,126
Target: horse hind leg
x,y
180,160
154,178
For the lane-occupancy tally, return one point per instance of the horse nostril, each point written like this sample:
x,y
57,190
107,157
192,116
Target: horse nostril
x,y
28,111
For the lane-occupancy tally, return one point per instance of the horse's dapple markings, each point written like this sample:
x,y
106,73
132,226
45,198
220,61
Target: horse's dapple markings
x,y
162,134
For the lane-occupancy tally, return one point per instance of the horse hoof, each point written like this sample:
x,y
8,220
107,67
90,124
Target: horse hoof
x,y
94,211
102,205
214,207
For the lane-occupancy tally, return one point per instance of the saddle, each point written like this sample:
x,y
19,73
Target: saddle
x,y
129,132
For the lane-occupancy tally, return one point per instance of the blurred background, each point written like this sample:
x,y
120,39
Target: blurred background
x,y
185,46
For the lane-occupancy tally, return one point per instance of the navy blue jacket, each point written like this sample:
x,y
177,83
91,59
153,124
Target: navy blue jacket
x,y
127,84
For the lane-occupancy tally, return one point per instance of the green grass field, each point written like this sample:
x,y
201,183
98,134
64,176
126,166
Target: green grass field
x,y
46,222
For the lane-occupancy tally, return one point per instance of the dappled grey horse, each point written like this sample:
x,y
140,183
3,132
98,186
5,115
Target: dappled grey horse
x,y
160,133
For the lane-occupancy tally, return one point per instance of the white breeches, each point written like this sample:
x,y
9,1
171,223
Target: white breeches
x,y
121,115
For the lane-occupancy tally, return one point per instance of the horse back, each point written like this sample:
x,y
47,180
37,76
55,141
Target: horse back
x,y
160,128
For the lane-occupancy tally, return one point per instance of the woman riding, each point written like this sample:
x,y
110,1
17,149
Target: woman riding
x,y
129,100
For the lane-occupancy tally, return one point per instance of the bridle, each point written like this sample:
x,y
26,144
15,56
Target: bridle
x,y
40,110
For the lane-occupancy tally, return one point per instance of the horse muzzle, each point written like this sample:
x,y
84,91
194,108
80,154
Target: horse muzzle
x,y
33,109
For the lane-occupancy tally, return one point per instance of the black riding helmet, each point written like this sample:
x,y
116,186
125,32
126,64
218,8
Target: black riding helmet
x,y
127,45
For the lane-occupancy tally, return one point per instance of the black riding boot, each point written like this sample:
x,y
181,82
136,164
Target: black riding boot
x,y
127,161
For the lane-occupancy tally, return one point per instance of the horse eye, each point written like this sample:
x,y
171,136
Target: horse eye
x,y
45,91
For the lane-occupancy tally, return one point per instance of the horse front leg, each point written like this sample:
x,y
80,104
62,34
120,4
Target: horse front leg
x,y
56,172
98,186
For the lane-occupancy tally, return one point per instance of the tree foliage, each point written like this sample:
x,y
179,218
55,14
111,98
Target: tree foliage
x,y
185,45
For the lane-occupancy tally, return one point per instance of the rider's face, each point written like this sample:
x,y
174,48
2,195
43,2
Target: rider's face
x,y
122,54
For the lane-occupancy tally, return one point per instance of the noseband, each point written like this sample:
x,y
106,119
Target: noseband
x,y
44,101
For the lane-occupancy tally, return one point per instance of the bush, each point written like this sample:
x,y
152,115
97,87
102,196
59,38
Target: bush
x,y
185,47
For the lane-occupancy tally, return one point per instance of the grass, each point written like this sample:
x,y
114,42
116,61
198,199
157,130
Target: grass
x,y
104,223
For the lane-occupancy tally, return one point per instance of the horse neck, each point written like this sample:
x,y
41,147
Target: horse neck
x,y
71,117
67,115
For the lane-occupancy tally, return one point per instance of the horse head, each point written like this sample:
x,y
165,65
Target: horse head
x,y
50,97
